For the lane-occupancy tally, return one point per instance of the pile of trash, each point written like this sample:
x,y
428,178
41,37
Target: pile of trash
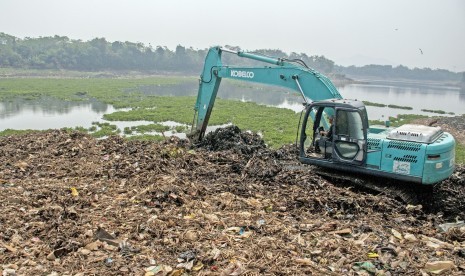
x,y
232,138
74,205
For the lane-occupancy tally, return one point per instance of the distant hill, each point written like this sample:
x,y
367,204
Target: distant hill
x,y
400,72
361,60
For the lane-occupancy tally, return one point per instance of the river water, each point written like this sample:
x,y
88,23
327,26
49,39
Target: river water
x,y
52,113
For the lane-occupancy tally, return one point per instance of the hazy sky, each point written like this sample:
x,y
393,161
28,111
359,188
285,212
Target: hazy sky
x,y
348,32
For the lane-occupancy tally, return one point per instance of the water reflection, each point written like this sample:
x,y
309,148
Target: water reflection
x,y
232,90
45,113
48,106
418,97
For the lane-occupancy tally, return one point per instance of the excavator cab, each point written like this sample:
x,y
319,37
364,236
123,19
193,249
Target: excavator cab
x,y
347,141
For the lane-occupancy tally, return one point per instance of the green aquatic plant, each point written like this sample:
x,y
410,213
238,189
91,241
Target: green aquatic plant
x,y
434,111
374,104
400,107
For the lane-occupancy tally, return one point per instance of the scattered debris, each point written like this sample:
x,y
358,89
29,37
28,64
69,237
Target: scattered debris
x,y
228,206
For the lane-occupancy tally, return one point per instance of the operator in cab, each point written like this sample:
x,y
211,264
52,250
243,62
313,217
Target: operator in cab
x,y
325,136
329,133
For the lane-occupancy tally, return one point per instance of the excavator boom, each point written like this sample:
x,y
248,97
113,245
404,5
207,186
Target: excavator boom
x,y
286,73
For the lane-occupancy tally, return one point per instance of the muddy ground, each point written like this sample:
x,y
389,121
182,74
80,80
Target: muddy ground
x,y
74,205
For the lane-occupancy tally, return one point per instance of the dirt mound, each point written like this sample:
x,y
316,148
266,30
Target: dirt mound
x,y
232,138
74,205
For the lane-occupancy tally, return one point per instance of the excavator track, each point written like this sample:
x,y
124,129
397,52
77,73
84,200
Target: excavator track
x,y
404,192
407,193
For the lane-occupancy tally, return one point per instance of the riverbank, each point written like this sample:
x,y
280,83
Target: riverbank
x,y
135,100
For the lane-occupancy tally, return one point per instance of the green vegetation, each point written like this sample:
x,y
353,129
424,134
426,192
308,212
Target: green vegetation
x,y
401,119
111,91
436,111
146,137
8,132
460,153
150,128
384,105
181,129
374,104
98,54
105,129
98,130
400,107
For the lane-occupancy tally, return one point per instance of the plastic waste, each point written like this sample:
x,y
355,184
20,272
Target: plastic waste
x,y
187,256
367,266
438,267
396,234
9,272
108,262
445,227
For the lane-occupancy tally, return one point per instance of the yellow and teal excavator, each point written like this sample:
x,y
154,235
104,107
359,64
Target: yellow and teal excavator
x,y
411,153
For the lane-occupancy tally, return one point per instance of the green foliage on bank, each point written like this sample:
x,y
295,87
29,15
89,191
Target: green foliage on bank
x,y
111,91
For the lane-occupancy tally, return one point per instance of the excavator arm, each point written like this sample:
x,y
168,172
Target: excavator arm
x,y
292,74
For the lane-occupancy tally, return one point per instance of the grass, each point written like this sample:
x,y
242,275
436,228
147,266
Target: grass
x,y
460,153
401,119
9,132
104,130
150,128
146,137
111,91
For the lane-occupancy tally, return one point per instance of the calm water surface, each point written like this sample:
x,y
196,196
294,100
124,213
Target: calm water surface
x,y
51,113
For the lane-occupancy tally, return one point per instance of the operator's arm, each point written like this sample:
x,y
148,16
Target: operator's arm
x,y
327,133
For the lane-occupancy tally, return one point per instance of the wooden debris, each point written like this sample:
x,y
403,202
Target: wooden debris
x,y
222,209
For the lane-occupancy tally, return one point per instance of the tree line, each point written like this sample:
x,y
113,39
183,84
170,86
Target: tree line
x,y
98,54
60,52
400,72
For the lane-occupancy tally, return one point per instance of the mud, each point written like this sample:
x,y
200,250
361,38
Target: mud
x,y
74,205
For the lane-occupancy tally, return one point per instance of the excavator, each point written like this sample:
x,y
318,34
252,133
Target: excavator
x,y
408,154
